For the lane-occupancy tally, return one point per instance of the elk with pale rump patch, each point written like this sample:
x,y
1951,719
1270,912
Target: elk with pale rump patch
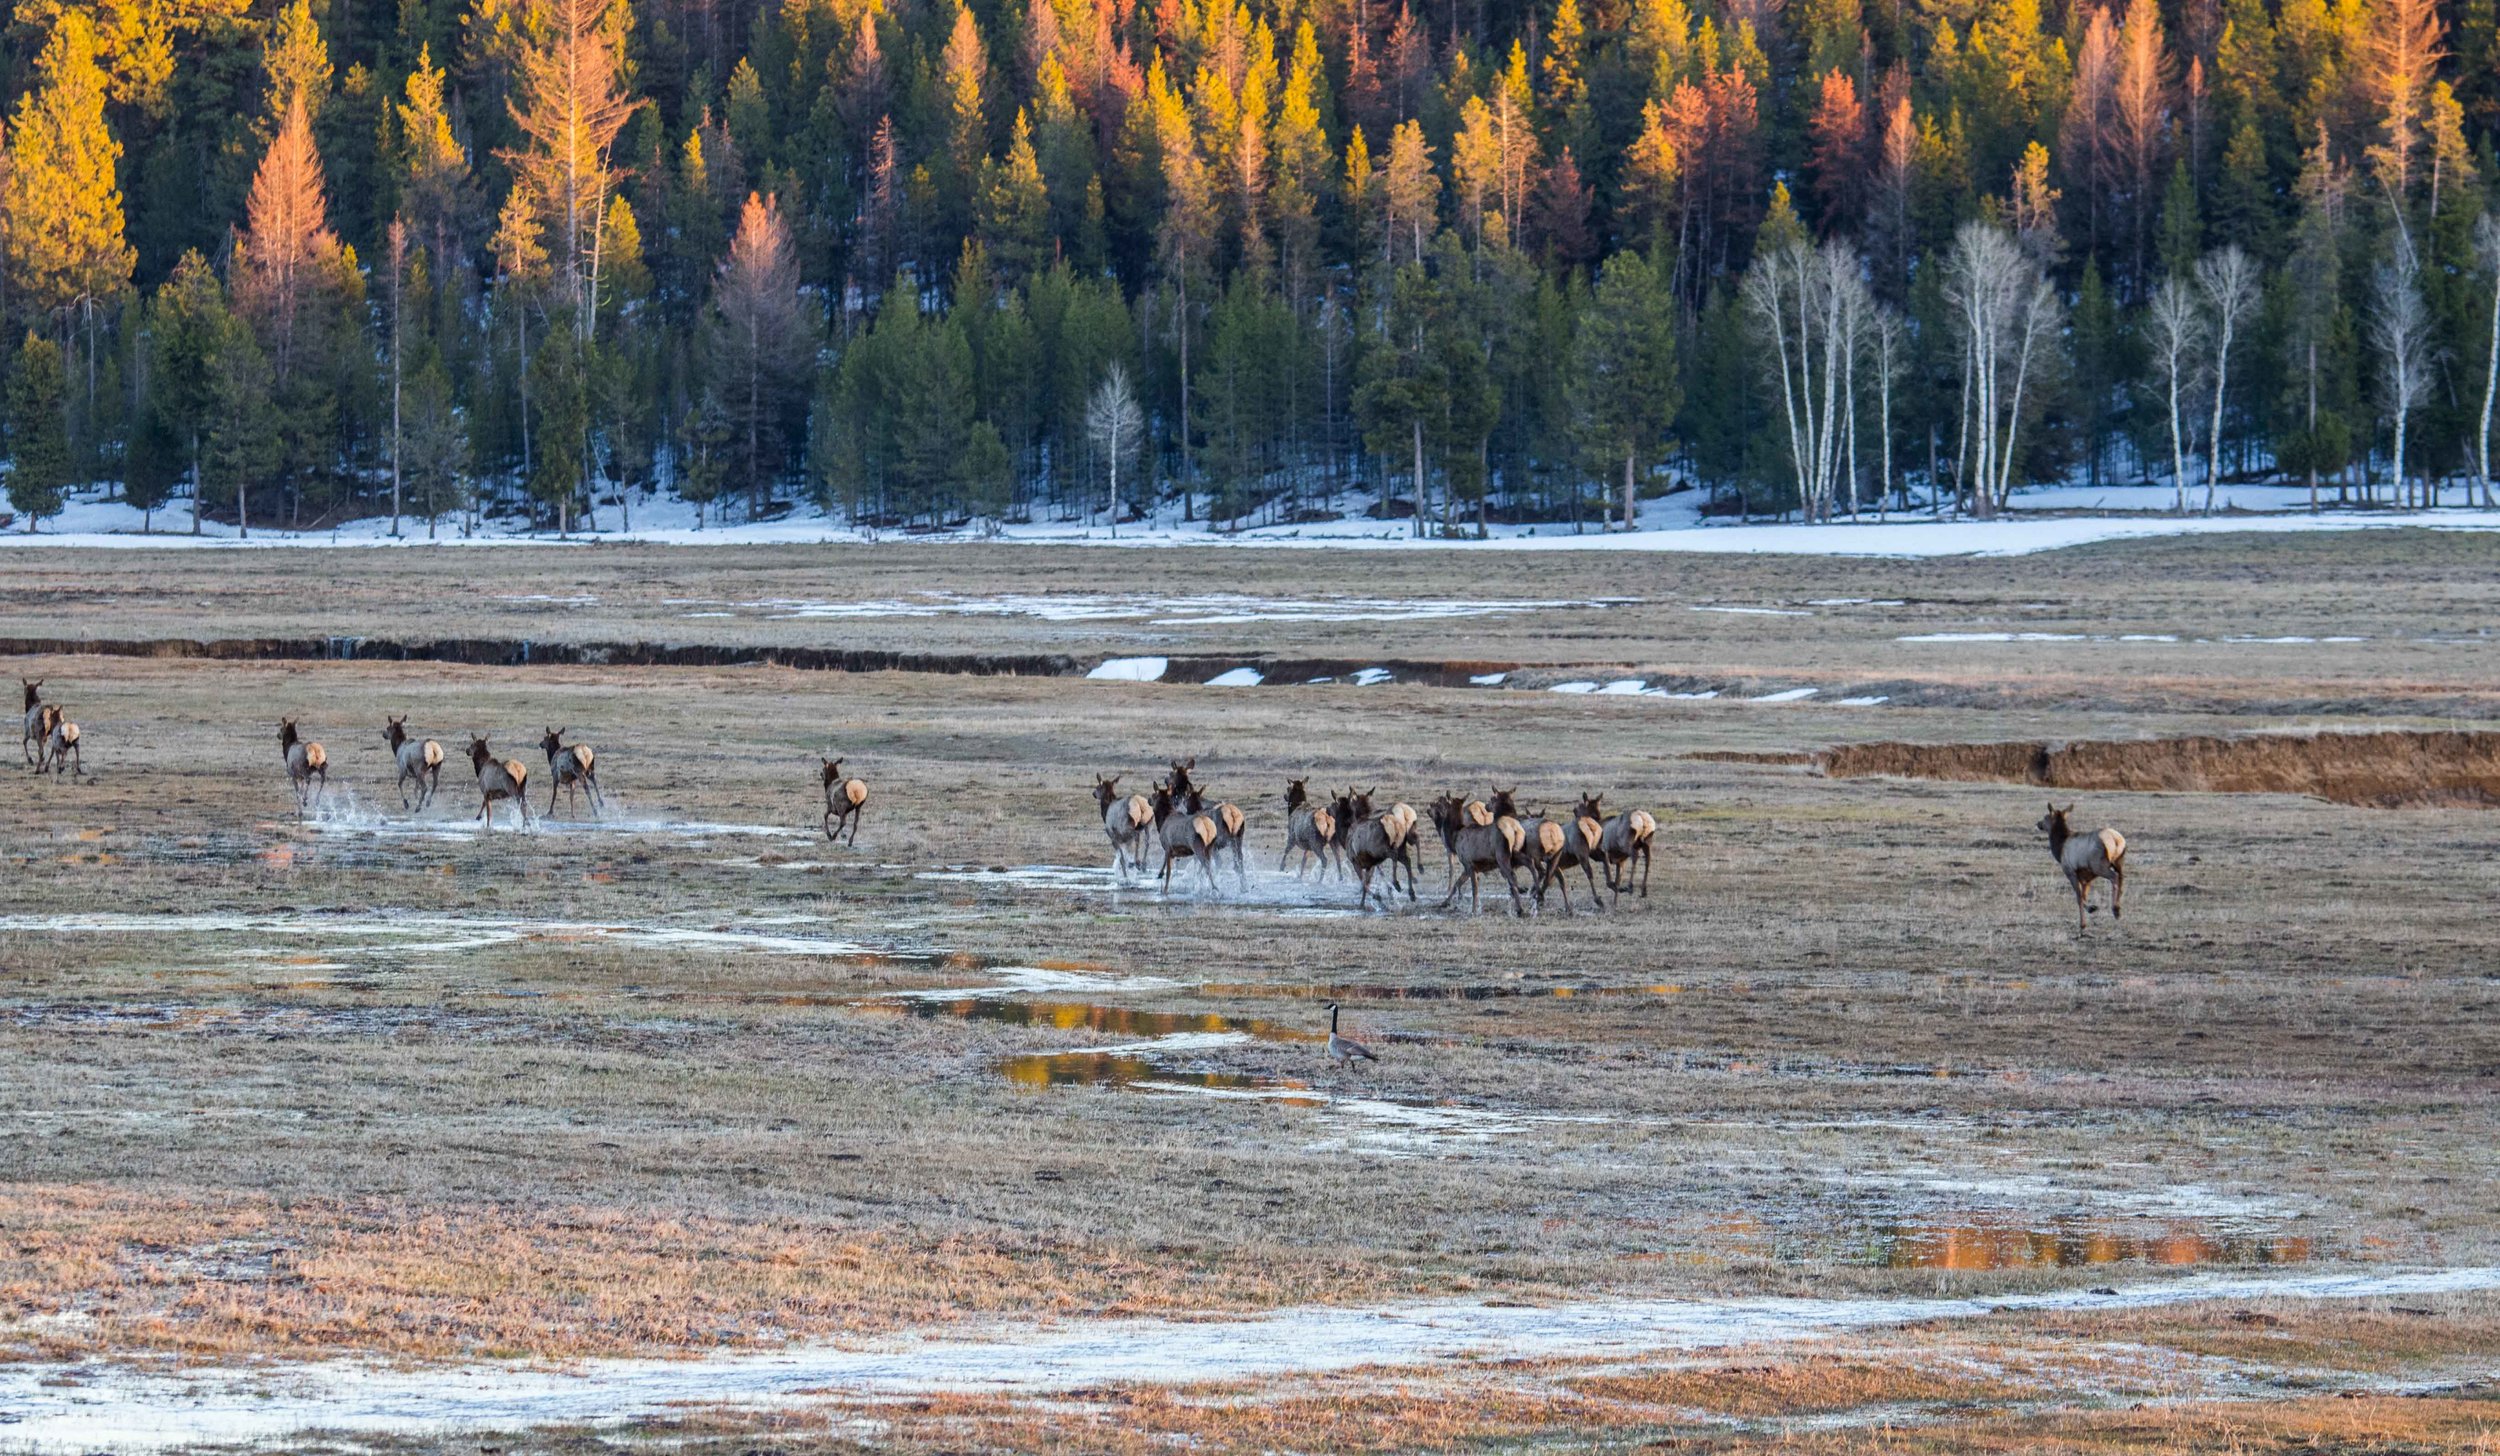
x,y
1374,840
40,718
60,746
1126,821
2084,858
844,799
1554,845
1310,828
576,771
307,765
1478,848
1184,835
420,761
505,778
1230,824
1626,839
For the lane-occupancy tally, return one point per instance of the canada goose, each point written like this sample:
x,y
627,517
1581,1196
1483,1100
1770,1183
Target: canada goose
x,y
1345,1050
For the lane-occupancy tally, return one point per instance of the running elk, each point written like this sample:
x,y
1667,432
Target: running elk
x,y
1372,841
1184,835
1623,841
844,799
1479,847
1310,828
575,769
1554,845
307,765
499,779
1230,823
1125,821
2085,858
61,745
40,717
420,762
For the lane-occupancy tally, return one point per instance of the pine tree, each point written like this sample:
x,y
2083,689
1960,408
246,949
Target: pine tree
x,y
1014,216
38,433
434,191
187,323
1626,389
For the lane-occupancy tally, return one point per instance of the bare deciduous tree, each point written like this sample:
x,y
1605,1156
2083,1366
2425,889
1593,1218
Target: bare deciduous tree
x,y
2487,252
1115,424
2006,314
2228,280
2400,330
1813,306
2174,330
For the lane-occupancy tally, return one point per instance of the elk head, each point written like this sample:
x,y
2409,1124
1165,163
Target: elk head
x,y
479,753
1106,789
1588,808
1297,794
553,742
394,730
32,686
833,769
2053,823
286,733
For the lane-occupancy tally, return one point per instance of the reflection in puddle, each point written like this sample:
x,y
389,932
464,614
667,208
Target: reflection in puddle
x,y
1131,1069
1258,990
2069,1244
1086,1016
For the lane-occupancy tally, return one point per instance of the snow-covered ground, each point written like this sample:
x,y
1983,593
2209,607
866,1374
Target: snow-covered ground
x,y
1672,524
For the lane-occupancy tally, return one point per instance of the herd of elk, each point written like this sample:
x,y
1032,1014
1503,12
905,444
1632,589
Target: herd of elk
x,y
1478,836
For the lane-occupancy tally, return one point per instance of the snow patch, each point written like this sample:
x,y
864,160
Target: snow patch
x,y
1372,677
1239,677
1131,669
1790,695
1573,687
1489,679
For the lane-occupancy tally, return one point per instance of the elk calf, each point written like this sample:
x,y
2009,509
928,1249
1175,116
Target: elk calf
x,y
2084,858
61,745
307,765
1310,828
575,770
1125,821
419,762
499,779
844,799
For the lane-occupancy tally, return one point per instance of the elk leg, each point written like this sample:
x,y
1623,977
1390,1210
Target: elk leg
x,y
2117,891
1644,870
857,814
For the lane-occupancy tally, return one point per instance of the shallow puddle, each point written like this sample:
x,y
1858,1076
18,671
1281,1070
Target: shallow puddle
x,y
1085,1016
1256,990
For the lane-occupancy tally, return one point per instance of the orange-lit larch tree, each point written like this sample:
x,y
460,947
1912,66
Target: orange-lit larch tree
x,y
572,100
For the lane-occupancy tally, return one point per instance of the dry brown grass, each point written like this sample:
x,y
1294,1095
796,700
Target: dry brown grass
x,y
235,1275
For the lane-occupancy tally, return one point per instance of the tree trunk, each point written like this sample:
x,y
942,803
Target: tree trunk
x,y
1419,479
1628,502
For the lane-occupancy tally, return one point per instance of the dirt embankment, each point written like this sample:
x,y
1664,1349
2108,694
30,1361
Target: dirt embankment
x,y
2394,769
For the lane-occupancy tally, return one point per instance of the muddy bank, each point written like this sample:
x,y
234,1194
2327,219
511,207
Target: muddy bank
x,y
2390,770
